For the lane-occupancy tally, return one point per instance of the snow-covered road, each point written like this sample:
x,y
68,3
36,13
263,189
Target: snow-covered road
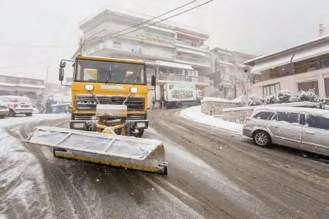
x,y
194,113
21,179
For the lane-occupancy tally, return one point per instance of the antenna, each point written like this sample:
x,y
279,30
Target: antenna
x,y
321,30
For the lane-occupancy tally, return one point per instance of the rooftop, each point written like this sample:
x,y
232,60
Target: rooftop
x,y
293,50
107,14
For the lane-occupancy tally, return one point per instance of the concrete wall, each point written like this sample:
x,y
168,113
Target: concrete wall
x,y
290,83
240,114
215,106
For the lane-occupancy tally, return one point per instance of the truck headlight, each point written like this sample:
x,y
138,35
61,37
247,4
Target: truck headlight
x,y
89,87
133,90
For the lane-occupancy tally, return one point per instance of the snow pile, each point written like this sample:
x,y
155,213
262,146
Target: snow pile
x,y
194,113
23,191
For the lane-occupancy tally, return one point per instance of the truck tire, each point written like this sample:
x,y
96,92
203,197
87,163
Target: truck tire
x,y
11,113
140,133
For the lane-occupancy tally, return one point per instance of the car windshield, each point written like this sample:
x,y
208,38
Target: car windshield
x,y
110,72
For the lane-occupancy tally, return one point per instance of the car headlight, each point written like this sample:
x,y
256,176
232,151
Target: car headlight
x,y
133,90
89,87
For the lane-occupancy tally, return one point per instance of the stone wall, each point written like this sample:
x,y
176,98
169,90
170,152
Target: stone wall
x,y
237,115
215,106
240,114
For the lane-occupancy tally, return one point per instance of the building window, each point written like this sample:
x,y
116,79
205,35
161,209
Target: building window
x,y
271,89
326,84
308,86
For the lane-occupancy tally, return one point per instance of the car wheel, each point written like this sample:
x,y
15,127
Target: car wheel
x,y
28,114
262,138
2,117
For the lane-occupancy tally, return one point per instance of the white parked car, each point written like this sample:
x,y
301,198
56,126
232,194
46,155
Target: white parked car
x,y
4,110
18,105
296,127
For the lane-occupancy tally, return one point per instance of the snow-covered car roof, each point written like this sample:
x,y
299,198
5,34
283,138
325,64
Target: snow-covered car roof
x,y
313,111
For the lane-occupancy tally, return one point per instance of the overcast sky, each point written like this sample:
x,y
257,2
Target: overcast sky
x,y
35,34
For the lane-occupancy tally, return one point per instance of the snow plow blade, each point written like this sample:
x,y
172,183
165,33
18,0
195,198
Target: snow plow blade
x,y
114,150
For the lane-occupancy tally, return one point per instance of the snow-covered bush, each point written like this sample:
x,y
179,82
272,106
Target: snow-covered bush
x,y
255,101
308,96
271,99
285,97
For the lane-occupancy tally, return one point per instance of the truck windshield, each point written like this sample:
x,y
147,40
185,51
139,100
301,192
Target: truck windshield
x,y
110,72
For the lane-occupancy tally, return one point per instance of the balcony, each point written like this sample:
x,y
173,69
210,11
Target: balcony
x,y
174,77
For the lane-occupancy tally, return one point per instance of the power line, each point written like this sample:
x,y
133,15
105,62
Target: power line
x,y
151,19
164,19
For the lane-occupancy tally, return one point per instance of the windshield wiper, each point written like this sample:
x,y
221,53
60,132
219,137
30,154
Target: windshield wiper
x,y
109,75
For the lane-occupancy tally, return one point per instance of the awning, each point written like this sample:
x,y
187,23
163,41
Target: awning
x,y
291,57
173,65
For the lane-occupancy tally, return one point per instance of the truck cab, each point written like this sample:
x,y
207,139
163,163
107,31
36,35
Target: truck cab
x,y
111,81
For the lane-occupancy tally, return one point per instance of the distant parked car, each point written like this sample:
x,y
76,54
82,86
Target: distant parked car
x,y
4,110
300,128
18,105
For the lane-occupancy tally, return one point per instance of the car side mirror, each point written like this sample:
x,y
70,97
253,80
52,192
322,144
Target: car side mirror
x,y
153,80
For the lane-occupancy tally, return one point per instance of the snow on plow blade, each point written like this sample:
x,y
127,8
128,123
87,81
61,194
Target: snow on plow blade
x,y
119,151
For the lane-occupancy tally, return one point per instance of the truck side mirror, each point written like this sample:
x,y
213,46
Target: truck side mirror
x,y
153,80
62,64
61,74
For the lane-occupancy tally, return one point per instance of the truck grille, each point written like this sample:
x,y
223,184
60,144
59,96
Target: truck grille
x,y
89,102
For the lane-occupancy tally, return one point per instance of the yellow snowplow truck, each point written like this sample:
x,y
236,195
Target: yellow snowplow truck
x,y
109,114
111,81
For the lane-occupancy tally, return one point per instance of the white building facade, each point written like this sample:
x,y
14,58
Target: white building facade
x,y
21,86
301,68
171,52
229,73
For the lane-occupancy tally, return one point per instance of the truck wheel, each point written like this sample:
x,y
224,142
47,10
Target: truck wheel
x,y
11,113
140,133
262,138
165,171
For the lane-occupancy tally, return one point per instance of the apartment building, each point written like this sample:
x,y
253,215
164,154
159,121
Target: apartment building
x,y
229,73
171,52
301,68
22,86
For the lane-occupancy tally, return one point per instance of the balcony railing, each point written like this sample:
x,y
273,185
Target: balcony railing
x,y
174,77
